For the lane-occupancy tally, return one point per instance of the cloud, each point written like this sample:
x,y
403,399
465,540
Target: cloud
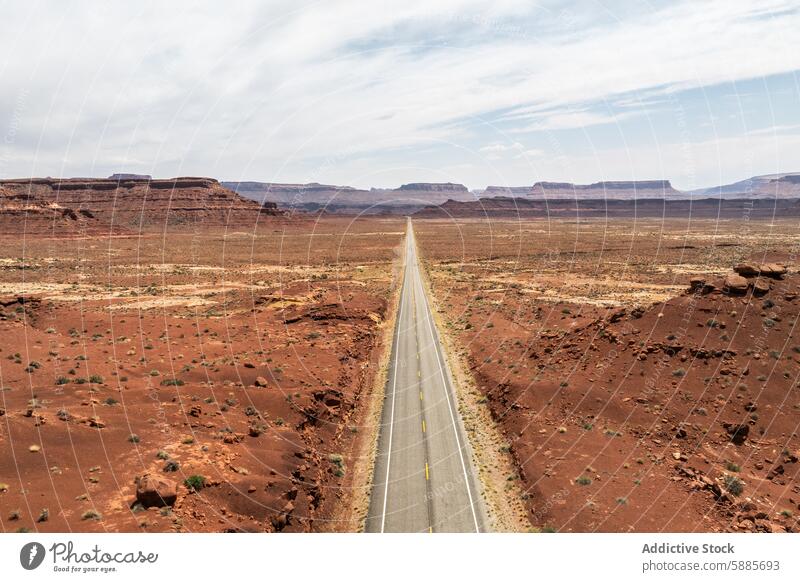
x,y
265,91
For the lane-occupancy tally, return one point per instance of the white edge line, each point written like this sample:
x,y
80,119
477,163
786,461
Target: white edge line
x,y
449,404
394,393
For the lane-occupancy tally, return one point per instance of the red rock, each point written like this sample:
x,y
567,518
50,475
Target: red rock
x,y
735,284
774,270
746,269
155,491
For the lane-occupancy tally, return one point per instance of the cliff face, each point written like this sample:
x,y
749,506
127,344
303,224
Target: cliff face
x,y
506,207
23,212
619,190
137,203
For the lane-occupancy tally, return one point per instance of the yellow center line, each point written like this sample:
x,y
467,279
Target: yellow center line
x,y
423,426
427,474
420,394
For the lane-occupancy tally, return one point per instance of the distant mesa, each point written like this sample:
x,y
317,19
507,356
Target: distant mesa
x,y
130,177
315,197
620,190
123,204
579,208
434,187
785,185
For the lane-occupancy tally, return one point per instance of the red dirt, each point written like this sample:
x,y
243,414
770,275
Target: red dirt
x,y
620,412
247,360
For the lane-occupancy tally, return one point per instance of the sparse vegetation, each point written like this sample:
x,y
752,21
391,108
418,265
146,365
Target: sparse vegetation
x,y
91,514
195,482
172,382
733,484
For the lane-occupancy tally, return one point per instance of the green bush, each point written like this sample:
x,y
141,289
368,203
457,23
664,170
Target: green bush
x,y
733,484
195,482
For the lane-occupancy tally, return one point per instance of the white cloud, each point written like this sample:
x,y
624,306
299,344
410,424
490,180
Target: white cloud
x,y
263,91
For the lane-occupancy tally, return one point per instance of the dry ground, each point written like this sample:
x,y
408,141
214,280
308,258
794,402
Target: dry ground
x,y
244,357
612,385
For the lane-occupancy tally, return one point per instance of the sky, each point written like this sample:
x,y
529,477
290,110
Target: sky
x,y
500,92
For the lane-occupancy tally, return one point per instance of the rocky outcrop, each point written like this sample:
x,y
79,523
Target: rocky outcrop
x,y
134,203
771,270
22,211
735,284
746,277
155,491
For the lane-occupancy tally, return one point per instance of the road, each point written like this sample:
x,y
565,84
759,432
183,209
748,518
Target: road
x,y
424,480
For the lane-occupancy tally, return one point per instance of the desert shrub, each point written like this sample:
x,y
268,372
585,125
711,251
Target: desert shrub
x,y
171,466
679,372
96,379
163,455
583,480
338,461
195,482
62,380
91,514
172,382
733,467
733,484
133,438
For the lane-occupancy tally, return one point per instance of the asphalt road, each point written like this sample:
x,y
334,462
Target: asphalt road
x,y
424,480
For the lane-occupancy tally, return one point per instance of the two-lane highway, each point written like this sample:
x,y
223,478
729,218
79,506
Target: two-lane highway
x,y
424,480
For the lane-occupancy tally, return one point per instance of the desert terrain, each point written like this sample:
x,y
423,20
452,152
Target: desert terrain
x,y
190,374
639,383
178,358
